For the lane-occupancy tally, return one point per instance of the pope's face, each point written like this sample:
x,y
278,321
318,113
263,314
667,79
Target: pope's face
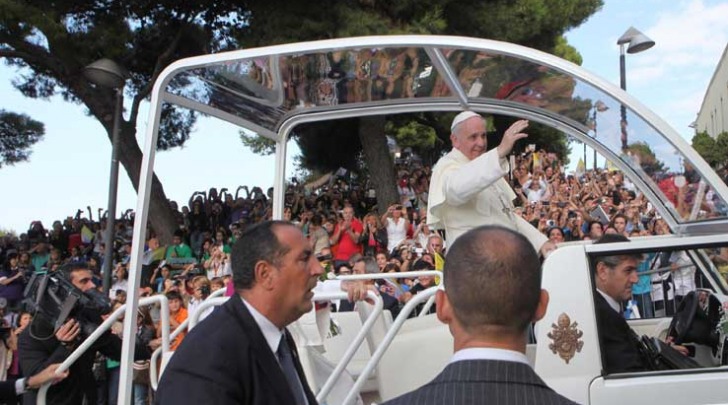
x,y
469,137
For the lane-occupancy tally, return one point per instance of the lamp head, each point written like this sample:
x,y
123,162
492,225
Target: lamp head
x,y
106,73
636,40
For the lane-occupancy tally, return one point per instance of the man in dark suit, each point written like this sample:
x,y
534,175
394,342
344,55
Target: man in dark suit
x,y
492,280
614,277
242,352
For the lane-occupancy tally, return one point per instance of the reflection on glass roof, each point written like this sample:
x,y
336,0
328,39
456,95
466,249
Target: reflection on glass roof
x,y
265,90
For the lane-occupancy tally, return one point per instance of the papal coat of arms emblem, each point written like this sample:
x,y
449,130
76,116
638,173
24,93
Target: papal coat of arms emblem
x,y
566,338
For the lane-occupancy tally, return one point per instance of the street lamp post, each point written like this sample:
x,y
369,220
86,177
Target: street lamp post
x,y
108,74
636,42
599,107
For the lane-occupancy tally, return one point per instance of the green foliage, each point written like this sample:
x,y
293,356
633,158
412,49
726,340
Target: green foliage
x,y
52,42
648,161
18,133
563,50
7,232
258,144
713,150
413,135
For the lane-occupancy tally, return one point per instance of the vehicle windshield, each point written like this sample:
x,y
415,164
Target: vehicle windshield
x,y
263,90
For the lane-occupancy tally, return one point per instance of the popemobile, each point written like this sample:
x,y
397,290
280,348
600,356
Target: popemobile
x,y
271,90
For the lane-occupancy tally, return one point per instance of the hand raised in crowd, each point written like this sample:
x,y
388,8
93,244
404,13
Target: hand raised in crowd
x,y
512,134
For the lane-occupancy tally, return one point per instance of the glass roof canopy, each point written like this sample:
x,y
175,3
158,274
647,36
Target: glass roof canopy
x,y
270,90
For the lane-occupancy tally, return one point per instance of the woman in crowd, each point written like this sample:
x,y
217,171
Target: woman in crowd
x,y
12,281
374,238
396,222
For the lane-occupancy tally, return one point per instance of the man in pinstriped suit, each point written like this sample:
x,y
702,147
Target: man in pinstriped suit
x,y
492,279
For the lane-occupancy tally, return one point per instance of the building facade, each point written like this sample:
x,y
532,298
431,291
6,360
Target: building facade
x,y
713,115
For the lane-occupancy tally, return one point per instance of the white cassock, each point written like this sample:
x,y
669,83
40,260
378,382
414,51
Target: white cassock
x,y
465,194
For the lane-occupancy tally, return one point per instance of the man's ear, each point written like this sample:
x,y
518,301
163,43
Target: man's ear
x,y
263,272
543,304
443,307
601,272
453,138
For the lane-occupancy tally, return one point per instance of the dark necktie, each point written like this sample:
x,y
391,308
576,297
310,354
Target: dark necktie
x,y
286,359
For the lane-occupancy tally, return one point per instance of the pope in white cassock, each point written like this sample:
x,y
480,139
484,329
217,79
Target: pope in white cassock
x,y
468,188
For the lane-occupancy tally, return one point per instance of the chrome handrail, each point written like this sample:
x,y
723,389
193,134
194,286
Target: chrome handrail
x,y
153,378
101,329
388,337
354,346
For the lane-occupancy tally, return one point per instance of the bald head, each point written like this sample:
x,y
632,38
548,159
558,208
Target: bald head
x,y
492,279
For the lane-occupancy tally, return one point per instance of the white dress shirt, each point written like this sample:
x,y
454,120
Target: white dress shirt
x,y
612,302
487,353
271,333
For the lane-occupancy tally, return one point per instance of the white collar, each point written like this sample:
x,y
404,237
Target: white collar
x,y
488,353
611,301
271,333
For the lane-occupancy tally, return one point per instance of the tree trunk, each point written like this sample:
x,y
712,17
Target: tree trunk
x,y
161,215
378,160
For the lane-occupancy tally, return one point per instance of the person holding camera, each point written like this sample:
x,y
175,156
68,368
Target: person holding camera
x,y
396,222
41,344
346,236
201,290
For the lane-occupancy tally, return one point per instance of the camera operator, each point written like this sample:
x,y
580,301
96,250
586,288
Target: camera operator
x,y
40,345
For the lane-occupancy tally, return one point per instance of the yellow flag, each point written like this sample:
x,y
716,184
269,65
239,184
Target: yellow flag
x,y
86,235
439,265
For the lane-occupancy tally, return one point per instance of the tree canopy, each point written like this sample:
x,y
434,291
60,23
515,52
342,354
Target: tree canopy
x,y
713,150
18,133
51,42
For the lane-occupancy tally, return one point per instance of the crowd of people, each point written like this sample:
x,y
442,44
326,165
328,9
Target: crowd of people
x,y
339,217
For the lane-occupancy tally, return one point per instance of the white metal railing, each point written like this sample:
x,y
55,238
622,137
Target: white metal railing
x,y
388,337
105,326
153,380
408,274
194,318
381,276
354,346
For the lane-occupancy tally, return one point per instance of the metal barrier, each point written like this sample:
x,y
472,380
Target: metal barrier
x,y
377,355
381,276
194,318
351,350
153,378
103,328
409,274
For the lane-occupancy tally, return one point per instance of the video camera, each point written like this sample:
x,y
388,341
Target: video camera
x,y
53,299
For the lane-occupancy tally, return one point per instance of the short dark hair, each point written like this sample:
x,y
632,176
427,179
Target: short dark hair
x,y
69,268
613,261
259,242
174,295
492,277
316,220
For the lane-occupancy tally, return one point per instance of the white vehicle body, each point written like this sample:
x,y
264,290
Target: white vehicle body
x,y
226,89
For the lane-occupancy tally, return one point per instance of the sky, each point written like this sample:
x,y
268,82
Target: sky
x,y
69,169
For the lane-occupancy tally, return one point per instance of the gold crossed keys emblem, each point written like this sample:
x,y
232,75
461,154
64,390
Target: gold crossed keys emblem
x,y
566,338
